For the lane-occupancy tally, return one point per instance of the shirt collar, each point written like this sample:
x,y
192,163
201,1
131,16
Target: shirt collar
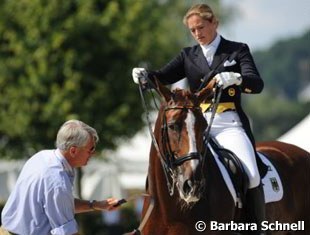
x,y
213,45
67,167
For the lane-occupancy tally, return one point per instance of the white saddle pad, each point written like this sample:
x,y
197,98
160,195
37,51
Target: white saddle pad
x,y
273,188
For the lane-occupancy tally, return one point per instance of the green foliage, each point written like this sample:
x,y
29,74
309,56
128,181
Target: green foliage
x,y
73,59
285,66
271,116
285,70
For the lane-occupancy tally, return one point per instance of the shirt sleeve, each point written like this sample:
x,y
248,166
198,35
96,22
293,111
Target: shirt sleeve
x,y
59,208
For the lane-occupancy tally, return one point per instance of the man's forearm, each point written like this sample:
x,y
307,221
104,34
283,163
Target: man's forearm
x,y
86,206
82,206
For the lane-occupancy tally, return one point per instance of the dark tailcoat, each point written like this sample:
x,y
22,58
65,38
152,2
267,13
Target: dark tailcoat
x,y
192,64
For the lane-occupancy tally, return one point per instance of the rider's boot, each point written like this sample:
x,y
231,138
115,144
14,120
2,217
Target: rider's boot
x,y
256,207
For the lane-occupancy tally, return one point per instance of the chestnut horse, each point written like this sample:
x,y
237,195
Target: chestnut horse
x,y
177,160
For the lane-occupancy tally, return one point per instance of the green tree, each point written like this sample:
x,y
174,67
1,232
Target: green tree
x,y
73,59
285,70
285,66
272,116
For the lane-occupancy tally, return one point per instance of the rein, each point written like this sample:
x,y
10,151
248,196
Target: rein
x,y
213,107
168,161
167,157
150,208
165,167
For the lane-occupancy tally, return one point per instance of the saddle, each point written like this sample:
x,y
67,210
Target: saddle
x,y
236,170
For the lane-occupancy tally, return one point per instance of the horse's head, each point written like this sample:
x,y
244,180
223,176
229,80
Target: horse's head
x,y
181,138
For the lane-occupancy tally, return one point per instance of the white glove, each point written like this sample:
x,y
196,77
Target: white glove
x,y
139,73
227,79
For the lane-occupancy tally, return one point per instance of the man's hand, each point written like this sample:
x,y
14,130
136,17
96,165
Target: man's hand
x,y
108,204
139,74
227,79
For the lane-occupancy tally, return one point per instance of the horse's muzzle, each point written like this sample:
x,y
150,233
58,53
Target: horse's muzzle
x,y
189,178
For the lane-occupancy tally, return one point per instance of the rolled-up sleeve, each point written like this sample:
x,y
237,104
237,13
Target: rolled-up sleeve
x,y
59,209
66,229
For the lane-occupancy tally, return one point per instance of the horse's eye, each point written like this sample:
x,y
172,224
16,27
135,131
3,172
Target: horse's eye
x,y
174,126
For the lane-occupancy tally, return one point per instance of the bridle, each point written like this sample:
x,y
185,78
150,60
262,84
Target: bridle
x,y
168,159
170,156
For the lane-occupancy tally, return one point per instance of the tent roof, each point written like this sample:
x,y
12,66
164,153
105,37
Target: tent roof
x,y
299,135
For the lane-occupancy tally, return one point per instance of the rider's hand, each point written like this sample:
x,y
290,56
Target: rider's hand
x,y
226,79
139,74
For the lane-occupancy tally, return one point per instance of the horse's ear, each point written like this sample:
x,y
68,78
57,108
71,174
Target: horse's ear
x,y
206,93
162,90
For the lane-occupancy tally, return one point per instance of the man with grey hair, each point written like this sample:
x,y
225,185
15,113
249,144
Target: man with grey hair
x,y
42,201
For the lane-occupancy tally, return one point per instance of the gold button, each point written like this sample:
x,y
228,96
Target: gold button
x,y
231,92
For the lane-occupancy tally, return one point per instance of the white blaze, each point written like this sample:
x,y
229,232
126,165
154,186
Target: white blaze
x,y
190,125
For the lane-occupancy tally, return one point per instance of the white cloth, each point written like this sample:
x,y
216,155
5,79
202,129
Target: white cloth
x,y
210,49
228,132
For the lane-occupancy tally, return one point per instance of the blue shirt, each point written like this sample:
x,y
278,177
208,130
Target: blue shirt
x,y
42,201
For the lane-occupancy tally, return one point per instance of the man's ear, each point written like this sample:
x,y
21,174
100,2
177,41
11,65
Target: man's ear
x,y
72,150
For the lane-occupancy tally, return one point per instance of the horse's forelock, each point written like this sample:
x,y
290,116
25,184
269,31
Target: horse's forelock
x,y
181,92
185,97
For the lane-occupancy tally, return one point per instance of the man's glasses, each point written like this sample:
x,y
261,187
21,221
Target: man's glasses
x,y
92,150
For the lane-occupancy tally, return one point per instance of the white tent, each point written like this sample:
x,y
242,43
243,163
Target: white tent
x,y
299,135
125,170
134,157
9,171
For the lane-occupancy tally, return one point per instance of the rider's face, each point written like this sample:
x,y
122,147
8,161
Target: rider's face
x,y
202,30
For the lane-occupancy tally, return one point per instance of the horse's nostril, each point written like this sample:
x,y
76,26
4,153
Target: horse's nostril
x,y
187,186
